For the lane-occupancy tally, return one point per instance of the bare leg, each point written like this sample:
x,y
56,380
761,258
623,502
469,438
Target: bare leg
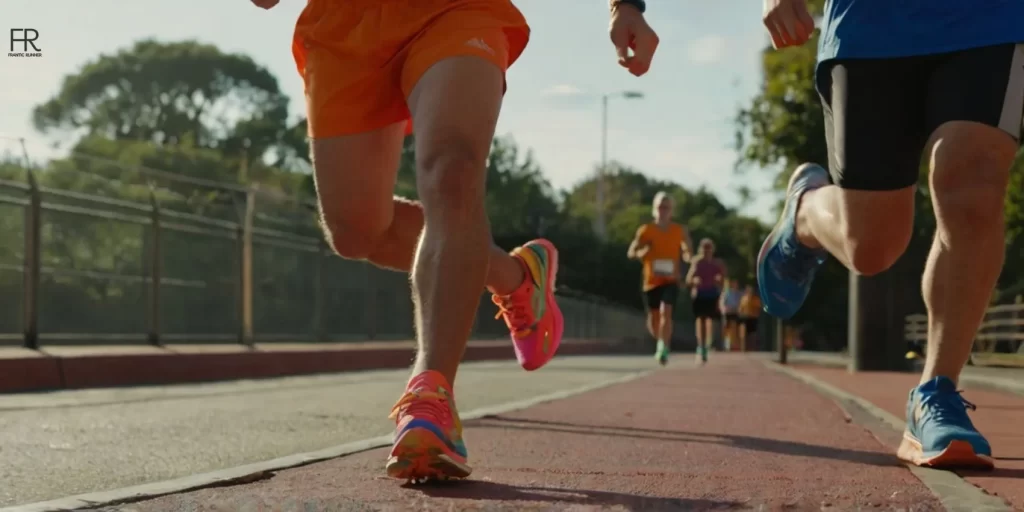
x,y
396,248
743,335
455,108
969,174
665,324
653,322
867,231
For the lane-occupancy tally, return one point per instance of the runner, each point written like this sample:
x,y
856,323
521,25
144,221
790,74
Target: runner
x,y
942,78
729,306
750,311
705,280
662,246
370,68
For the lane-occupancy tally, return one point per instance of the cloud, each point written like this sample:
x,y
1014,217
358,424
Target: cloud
x,y
563,90
707,49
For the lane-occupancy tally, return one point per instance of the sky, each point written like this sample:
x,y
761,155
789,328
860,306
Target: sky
x,y
706,67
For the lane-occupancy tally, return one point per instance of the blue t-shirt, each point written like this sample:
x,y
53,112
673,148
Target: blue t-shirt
x,y
878,29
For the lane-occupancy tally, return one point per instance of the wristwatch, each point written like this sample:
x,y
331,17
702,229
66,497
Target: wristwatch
x,y
640,5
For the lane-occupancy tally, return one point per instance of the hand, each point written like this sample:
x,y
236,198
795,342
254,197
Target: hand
x,y
265,4
643,250
629,31
788,22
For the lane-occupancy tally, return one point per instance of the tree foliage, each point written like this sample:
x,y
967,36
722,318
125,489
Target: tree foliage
x,y
174,93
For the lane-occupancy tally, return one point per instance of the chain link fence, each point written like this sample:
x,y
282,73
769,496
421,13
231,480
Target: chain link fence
x,y
95,252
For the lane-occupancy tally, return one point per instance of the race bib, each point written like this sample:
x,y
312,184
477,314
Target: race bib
x,y
665,268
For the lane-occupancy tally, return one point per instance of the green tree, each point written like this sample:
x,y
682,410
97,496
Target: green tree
x,y
169,93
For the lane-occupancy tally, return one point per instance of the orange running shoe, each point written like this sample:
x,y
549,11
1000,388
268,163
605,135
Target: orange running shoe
x,y
531,312
428,436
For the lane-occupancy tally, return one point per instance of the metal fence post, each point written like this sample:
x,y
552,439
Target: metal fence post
x,y
155,271
370,304
245,288
32,263
319,292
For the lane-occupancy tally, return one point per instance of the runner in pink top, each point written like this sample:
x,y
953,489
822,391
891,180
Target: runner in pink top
x,y
705,279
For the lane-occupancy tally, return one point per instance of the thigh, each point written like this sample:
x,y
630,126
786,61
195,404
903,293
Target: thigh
x,y
355,177
874,121
982,85
669,294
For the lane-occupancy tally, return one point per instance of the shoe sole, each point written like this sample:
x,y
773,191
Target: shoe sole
x,y
419,455
552,306
958,455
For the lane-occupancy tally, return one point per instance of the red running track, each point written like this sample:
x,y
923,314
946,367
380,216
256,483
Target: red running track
x,y
1000,417
732,435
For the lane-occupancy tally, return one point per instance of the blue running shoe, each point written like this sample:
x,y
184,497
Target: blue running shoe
x,y
785,267
939,433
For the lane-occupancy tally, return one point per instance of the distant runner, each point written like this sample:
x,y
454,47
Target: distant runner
x,y
729,305
705,279
662,246
750,312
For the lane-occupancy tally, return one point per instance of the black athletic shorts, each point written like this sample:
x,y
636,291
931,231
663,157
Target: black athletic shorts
x,y
879,113
664,294
732,318
706,307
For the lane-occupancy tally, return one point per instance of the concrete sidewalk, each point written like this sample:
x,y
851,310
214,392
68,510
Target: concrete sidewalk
x,y
80,367
737,434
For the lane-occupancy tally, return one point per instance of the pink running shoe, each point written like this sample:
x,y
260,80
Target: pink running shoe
x,y
531,313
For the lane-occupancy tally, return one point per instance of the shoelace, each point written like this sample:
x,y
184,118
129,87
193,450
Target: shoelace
x,y
951,406
423,402
517,312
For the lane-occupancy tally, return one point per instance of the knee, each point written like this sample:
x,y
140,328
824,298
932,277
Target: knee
x,y
877,229
352,236
451,175
873,249
654,317
970,167
873,253
666,313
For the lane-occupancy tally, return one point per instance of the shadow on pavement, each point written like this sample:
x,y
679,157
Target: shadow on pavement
x,y
493,491
746,442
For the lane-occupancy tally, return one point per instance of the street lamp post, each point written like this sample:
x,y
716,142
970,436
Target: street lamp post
x,y
601,228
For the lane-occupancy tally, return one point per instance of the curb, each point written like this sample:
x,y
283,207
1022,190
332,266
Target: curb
x,y
61,368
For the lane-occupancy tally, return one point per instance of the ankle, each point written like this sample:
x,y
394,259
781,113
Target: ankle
x,y
509,278
802,224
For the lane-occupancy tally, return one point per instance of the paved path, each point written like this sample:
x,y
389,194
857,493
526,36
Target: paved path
x,y
732,435
1000,416
72,442
737,434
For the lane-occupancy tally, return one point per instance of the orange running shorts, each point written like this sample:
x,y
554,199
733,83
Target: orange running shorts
x,y
360,59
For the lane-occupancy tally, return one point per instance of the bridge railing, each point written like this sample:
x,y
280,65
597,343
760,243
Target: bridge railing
x,y
131,263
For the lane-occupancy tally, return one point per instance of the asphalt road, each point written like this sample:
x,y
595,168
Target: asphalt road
x,y
60,444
